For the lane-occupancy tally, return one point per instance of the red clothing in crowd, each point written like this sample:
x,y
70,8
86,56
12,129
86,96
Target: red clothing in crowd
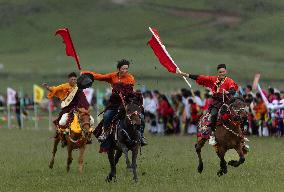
x,y
194,113
164,109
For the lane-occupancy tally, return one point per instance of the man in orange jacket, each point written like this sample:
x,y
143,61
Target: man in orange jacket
x,y
120,81
72,98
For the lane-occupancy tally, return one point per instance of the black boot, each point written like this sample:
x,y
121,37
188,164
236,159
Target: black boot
x,y
143,141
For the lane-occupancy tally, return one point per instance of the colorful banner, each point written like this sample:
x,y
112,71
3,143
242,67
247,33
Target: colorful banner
x,y
11,96
38,93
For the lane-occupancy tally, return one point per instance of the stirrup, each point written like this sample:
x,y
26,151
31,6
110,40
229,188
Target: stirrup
x,y
247,148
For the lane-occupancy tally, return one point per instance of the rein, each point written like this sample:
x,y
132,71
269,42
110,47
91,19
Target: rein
x,y
236,134
234,113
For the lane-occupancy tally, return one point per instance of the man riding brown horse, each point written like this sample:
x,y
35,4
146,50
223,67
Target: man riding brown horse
x,y
72,99
223,89
122,84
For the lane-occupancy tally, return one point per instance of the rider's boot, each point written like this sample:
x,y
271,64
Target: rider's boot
x,y
143,139
212,140
212,126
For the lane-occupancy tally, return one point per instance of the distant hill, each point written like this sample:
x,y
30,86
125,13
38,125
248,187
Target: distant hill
x,y
245,34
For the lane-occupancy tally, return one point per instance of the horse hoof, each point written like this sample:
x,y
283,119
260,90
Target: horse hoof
x,y
220,173
108,179
233,163
200,168
129,169
50,166
135,180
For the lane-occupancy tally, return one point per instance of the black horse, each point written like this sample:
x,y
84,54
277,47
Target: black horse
x,y
126,136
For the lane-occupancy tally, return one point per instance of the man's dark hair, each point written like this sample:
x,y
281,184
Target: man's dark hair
x,y
73,74
197,93
271,90
122,62
249,87
222,65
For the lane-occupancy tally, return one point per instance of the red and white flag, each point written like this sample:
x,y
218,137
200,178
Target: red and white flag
x,y
160,51
162,54
11,96
70,50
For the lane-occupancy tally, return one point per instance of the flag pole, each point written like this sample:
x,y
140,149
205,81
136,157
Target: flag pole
x,y
35,108
163,47
21,107
49,115
9,116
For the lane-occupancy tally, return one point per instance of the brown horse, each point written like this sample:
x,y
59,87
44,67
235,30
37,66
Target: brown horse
x,y
126,137
74,140
229,135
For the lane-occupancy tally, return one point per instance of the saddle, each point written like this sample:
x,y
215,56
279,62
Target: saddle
x,y
98,130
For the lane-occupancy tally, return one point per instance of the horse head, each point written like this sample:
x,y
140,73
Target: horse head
x,y
239,108
133,112
84,119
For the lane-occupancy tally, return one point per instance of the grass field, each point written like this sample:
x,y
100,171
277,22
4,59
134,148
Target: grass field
x,y
168,163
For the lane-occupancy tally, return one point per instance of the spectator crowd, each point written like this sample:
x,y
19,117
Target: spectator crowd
x,y
179,112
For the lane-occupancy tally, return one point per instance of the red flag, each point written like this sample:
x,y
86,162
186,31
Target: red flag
x,y
161,52
70,50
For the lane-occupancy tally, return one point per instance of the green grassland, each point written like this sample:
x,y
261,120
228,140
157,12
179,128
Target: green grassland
x,y
168,163
246,34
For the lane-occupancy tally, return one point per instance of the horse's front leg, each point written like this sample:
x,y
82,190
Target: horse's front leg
x,y
112,173
69,158
125,151
236,163
223,164
81,158
134,165
198,147
117,156
56,141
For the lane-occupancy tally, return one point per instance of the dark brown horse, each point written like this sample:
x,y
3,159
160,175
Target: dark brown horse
x,y
126,137
74,140
229,135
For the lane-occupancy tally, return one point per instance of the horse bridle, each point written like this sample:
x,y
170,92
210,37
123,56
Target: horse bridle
x,y
129,115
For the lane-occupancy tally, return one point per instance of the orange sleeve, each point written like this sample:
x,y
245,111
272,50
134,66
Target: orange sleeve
x,y
56,91
131,80
100,77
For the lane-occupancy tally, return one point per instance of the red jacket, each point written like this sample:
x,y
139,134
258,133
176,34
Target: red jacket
x,y
215,85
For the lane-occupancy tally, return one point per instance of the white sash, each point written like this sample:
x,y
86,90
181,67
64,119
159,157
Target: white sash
x,y
69,98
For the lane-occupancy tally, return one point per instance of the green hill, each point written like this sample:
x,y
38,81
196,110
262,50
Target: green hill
x,y
246,34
